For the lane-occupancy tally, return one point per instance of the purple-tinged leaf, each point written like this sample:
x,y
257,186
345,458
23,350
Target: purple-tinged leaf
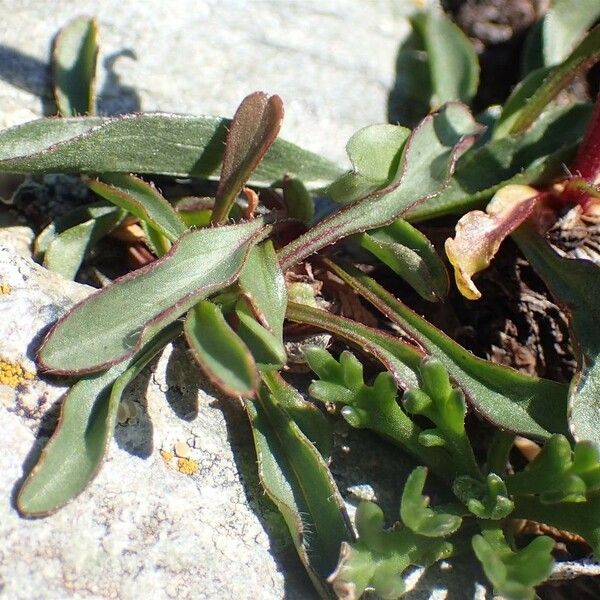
x,y
112,324
221,354
425,168
253,129
142,200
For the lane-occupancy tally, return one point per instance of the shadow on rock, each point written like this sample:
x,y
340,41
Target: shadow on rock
x,y
239,435
182,390
35,77
134,431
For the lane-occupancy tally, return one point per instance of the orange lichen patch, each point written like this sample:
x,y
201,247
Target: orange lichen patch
x,y
187,466
13,374
5,288
166,455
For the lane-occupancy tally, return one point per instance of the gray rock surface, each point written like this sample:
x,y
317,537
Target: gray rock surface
x,y
151,525
332,62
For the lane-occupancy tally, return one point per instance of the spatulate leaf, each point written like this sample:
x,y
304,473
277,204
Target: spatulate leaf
x,y
74,454
74,59
111,324
221,354
253,129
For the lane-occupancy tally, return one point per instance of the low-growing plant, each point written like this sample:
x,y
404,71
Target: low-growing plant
x,y
218,272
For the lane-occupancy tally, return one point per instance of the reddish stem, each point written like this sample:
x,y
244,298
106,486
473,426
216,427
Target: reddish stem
x,y
587,162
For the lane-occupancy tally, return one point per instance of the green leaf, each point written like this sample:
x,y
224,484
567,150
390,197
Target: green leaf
x,y
75,452
426,165
297,200
369,406
297,479
575,285
112,324
486,500
444,405
312,422
63,222
374,152
517,101
416,514
409,100
252,131
514,574
379,558
267,349
401,359
158,143
74,59
453,63
558,473
586,54
535,156
221,354
411,255
67,250
511,400
553,38
263,285
142,200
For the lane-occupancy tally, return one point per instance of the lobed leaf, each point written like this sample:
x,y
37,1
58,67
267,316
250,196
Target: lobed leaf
x,y
252,131
157,143
487,499
513,401
297,479
416,514
444,405
74,58
75,452
559,473
142,200
514,574
425,168
221,354
113,323
369,406
379,558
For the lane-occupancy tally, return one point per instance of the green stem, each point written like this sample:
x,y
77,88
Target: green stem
x,y
395,425
501,444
